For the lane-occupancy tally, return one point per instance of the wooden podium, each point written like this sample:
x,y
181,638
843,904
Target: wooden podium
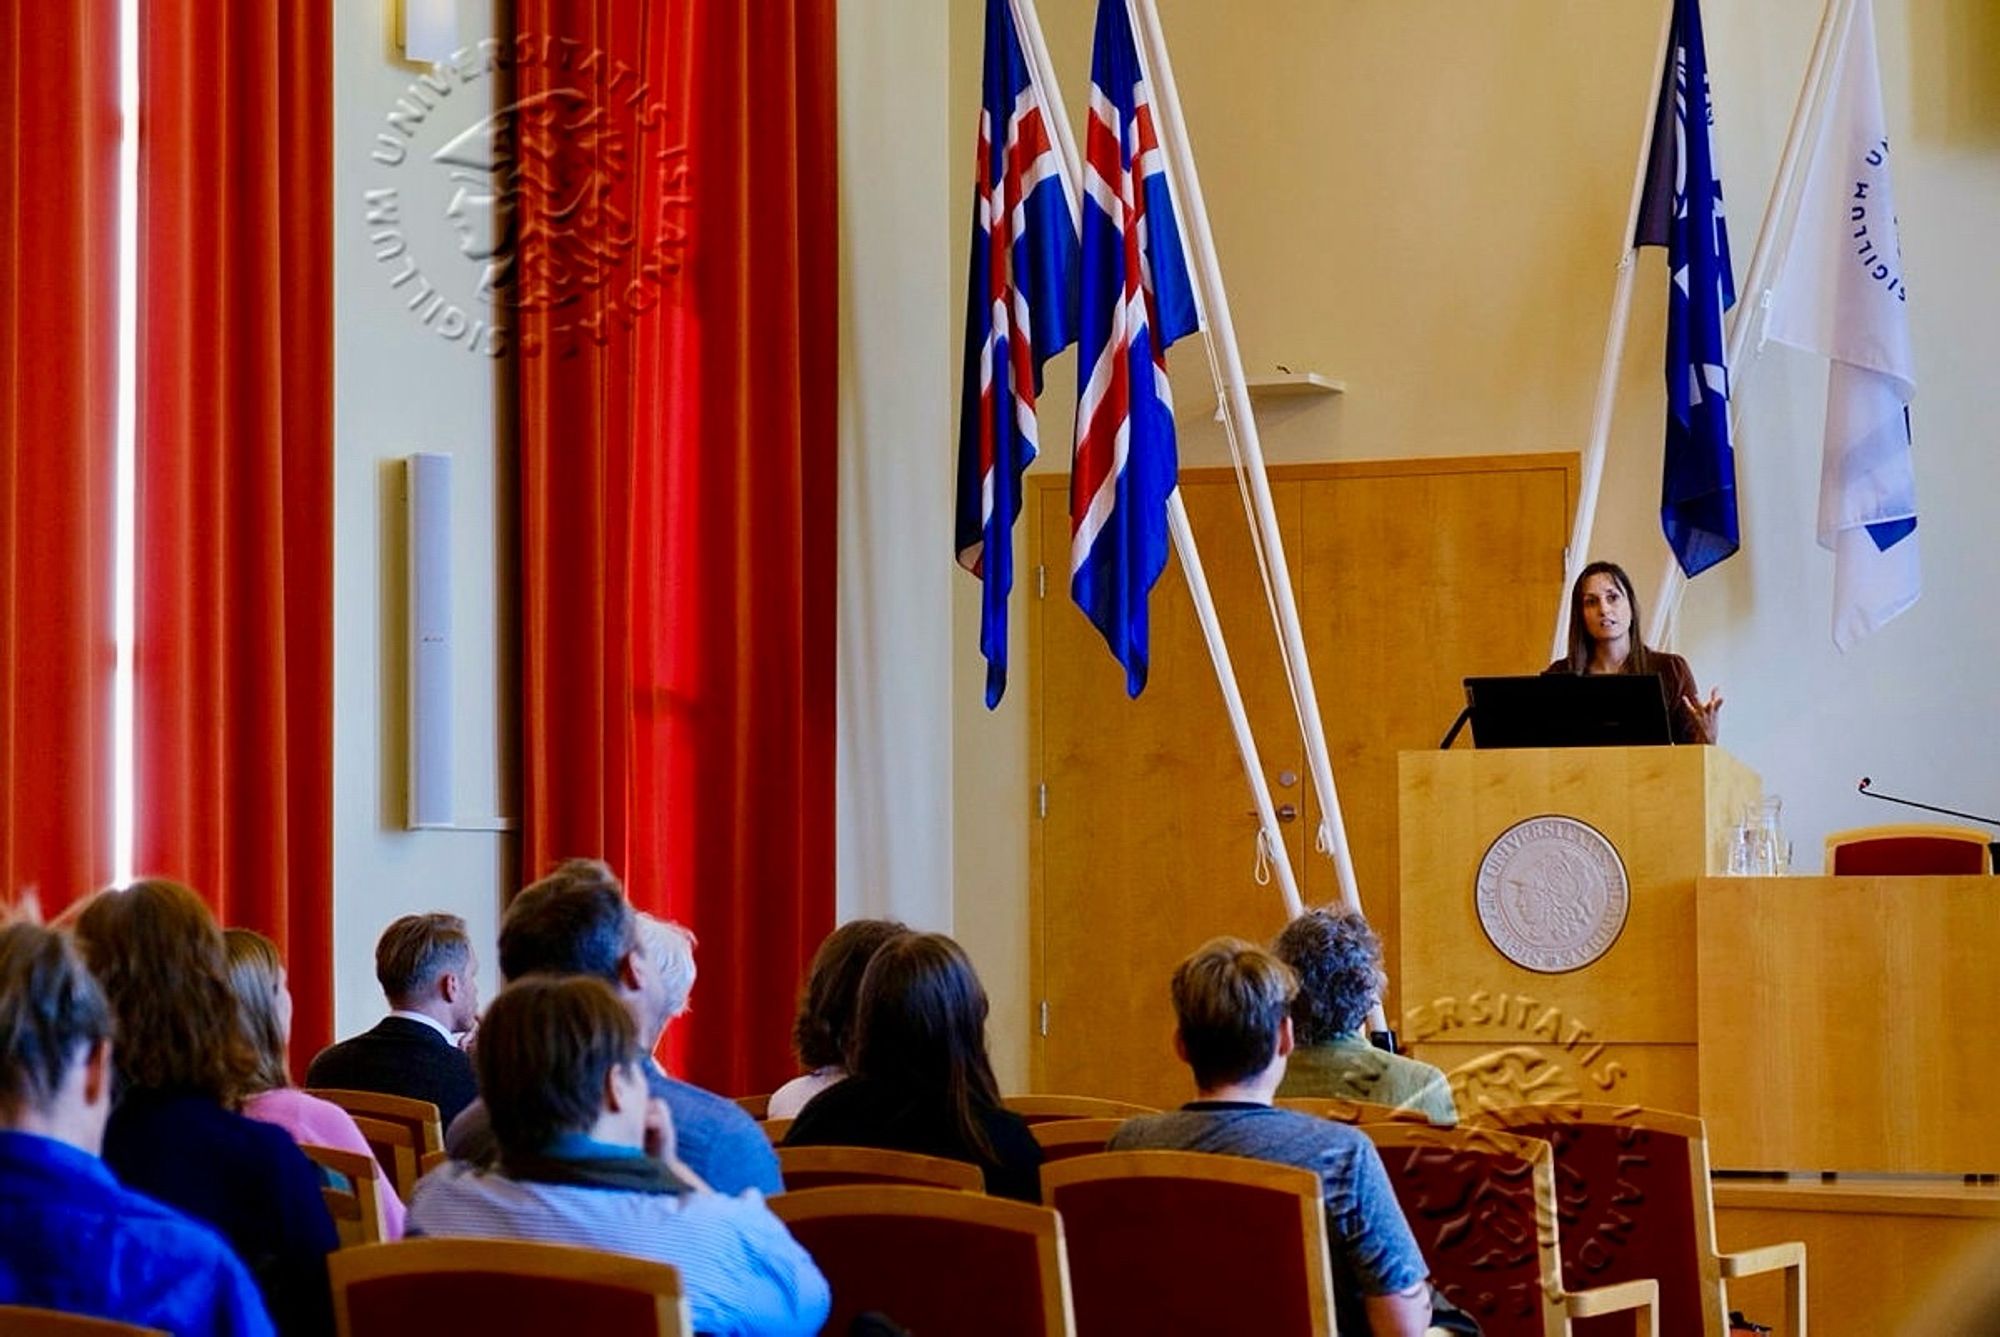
x,y
1606,1007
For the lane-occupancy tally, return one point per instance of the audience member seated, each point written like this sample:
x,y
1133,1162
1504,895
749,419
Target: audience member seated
x,y
826,1010
183,1065
264,1007
1338,961
587,1158
70,1237
576,921
431,979
1233,1001
920,1079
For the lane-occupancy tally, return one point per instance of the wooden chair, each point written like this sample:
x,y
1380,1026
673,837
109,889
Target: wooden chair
x,y
1907,849
419,1288
430,1161
26,1321
1632,1186
1041,1109
825,1167
1061,1139
934,1260
356,1209
1187,1242
775,1129
755,1106
400,1131
1482,1205
1342,1110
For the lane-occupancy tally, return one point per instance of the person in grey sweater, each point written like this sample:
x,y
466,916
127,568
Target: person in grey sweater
x,y
1233,1002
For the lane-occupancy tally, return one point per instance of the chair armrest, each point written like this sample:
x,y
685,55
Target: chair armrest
x,y
1770,1258
1598,1300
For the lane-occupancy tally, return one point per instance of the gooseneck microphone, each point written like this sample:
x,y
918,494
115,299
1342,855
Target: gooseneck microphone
x,y
1866,792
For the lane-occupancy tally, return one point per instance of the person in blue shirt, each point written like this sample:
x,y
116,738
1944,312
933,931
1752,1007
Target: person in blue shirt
x,y
71,1237
577,921
587,1158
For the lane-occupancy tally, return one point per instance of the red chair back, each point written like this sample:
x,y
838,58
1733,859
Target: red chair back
x,y
1909,856
1627,1207
1186,1242
934,1260
419,1288
828,1167
1060,1139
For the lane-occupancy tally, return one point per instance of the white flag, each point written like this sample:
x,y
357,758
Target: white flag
x,y
1841,295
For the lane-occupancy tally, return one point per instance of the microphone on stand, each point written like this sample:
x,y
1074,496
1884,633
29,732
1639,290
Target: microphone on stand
x,y
1866,792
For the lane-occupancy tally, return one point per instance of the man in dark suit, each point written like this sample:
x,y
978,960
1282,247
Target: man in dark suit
x,y
430,977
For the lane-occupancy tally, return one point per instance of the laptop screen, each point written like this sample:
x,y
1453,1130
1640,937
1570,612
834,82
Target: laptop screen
x,y
1568,710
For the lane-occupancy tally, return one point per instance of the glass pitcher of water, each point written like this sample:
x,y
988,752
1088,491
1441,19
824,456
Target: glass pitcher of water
x,y
1769,854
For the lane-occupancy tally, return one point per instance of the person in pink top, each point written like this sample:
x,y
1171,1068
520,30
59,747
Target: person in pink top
x,y
264,1002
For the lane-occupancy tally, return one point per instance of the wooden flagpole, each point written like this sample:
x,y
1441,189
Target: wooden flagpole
x,y
1041,71
1773,244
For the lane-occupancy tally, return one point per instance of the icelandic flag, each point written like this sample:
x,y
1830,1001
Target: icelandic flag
x,y
1681,210
1841,295
1137,299
1020,310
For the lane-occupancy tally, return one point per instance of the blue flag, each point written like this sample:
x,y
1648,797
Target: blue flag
x,y
1682,211
1020,311
1137,299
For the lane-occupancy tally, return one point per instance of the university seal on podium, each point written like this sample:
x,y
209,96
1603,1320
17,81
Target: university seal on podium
x,y
1552,894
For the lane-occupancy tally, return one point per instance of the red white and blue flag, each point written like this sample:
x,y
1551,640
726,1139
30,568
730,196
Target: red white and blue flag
x,y
1137,299
1020,311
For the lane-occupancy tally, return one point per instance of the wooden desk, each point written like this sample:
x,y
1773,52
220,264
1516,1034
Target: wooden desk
x,y
1879,1254
1846,1023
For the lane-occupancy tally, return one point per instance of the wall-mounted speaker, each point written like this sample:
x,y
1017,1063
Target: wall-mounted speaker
x,y
427,508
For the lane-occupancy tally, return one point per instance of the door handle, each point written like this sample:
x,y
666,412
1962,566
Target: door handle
x,y
1286,812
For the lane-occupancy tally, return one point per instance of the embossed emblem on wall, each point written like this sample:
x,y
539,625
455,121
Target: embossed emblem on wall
x,y
1552,894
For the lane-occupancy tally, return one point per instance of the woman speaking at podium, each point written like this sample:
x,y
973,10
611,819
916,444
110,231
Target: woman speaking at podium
x,y
1604,638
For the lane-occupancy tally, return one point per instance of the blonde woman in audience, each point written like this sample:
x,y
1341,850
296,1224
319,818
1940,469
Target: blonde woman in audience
x,y
264,1003
826,1010
183,1066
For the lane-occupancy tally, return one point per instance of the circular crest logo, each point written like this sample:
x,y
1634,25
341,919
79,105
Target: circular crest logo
x,y
1552,894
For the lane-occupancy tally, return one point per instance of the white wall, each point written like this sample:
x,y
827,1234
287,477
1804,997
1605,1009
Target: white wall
x,y
399,387
898,411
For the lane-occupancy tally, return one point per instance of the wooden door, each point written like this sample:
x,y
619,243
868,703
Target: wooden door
x,y
1411,575
1415,575
1149,841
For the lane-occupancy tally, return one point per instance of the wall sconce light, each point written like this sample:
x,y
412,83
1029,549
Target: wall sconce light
x,y
429,30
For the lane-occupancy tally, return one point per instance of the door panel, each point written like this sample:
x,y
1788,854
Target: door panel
x,y
1149,844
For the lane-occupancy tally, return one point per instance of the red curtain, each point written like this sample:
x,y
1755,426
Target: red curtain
x,y
677,426
58,401
235,547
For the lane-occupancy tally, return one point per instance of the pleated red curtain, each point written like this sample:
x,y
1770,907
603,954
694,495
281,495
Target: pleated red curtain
x,y
235,543
677,427
59,133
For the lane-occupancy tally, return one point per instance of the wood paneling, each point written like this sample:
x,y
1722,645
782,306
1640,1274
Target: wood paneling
x,y
1410,574
1877,1255
1846,1023
1501,1075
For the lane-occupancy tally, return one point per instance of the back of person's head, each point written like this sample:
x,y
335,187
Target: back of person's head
x,y
546,1049
51,1016
920,1021
825,1019
669,950
1338,961
257,977
159,955
1231,998
575,921
415,951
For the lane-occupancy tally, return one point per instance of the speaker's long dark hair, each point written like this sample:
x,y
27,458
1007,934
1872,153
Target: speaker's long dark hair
x,y
1640,660
920,1023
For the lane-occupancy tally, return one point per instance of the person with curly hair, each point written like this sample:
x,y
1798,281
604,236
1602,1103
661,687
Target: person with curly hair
x,y
826,1010
1338,960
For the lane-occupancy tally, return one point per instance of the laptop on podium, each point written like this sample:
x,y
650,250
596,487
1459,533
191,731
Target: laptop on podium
x,y
1568,710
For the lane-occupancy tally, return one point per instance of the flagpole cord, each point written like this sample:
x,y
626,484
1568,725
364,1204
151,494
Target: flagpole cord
x,y
1271,843
1773,244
